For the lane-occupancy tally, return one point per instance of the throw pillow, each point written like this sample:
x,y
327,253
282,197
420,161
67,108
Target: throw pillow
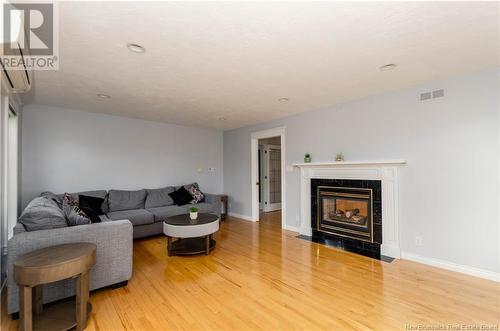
x,y
41,214
94,217
181,196
68,199
91,206
52,196
196,194
74,215
92,203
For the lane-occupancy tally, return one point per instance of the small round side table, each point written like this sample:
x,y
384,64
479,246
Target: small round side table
x,y
48,265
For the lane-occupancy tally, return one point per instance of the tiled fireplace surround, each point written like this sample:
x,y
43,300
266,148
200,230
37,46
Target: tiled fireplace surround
x,y
371,249
352,174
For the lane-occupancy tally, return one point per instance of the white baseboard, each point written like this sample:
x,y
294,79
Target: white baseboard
x,y
391,251
291,228
472,271
243,217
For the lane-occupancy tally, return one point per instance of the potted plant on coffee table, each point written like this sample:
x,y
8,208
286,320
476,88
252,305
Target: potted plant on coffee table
x,y
193,213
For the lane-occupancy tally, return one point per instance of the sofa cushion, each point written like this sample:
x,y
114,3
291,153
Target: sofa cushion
x,y
41,214
126,200
161,213
203,207
96,194
135,216
159,197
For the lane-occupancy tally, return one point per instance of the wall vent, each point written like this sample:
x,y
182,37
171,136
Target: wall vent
x,y
425,96
431,95
438,93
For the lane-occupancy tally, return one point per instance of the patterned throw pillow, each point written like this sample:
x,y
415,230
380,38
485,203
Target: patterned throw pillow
x,y
74,215
68,199
196,193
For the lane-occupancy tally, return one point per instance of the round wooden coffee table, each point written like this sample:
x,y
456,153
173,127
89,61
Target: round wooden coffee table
x,y
194,236
48,265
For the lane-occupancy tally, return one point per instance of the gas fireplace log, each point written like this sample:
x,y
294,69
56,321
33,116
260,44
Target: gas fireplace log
x,y
351,212
359,219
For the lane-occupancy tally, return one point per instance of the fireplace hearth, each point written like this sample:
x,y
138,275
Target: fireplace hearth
x,y
348,213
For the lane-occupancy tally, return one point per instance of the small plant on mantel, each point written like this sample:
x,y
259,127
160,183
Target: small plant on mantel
x,y
307,158
193,213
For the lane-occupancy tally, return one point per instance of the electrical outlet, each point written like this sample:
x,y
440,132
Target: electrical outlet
x,y
418,241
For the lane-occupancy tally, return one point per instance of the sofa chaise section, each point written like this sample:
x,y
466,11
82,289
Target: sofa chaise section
x,y
114,256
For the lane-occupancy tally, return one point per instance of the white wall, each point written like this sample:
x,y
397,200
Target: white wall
x,y
67,151
449,190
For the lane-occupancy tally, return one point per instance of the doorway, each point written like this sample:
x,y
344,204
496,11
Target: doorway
x,y
268,176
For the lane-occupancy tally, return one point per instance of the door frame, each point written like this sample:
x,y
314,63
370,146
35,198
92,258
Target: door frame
x,y
254,143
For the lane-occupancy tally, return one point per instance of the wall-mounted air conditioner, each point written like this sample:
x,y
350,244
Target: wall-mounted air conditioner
x,y
16,76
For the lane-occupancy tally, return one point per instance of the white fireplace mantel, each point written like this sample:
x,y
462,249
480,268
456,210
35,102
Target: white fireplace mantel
x,y
385,171
349,163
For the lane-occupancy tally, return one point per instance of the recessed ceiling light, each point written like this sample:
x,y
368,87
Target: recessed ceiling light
x,y
136,48
103,96
283,99
222,118
389,66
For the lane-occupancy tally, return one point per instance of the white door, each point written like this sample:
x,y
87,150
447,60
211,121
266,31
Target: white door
x,y
272,177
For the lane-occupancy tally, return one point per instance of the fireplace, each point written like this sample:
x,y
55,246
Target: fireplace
x,y
345,212
348,214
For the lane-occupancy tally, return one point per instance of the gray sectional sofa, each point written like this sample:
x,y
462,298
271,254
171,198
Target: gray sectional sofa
x,y
127,215
147,209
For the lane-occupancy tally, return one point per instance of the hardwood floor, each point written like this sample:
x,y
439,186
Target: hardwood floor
x,y
262,278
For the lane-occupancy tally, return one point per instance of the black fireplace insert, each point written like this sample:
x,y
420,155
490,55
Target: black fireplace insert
x,y
349,213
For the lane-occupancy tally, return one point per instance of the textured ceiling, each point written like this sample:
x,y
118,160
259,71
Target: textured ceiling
x,y
235,60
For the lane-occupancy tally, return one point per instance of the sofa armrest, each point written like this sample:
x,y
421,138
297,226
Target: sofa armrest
x,y
19,228
215,201
113,255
